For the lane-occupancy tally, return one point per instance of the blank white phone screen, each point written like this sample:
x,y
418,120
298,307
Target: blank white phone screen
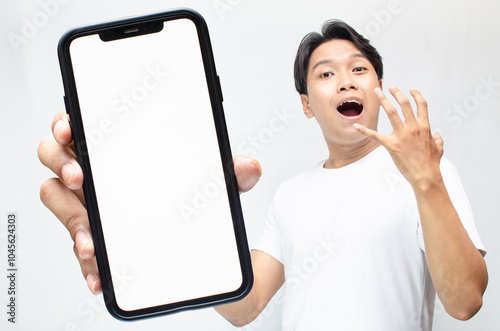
x,y
156,166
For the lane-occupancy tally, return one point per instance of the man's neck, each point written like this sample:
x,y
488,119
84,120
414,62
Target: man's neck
x,y
342,155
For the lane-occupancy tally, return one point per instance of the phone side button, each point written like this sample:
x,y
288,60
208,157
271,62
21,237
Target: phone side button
x,y
67,112
66,104
220,89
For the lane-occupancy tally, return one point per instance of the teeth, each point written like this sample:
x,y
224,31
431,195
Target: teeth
x,y
356,101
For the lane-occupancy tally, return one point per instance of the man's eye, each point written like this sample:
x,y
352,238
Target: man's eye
x,y
358,69
326,75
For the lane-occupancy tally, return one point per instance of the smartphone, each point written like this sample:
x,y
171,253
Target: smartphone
x,y
145,106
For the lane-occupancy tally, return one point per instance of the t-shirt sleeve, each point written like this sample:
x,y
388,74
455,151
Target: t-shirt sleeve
x,y
269,240
461,203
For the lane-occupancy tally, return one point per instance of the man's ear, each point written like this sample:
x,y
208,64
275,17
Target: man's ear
x,y
304,98
380,84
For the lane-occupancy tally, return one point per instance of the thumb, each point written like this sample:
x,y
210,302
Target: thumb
x,y
438,140
247,171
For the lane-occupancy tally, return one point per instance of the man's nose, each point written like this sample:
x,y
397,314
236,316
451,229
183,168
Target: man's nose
x,y
347,83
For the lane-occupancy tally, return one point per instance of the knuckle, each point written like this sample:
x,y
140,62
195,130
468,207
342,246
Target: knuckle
x,y
392,111
74,222
72,217
405,102
422,103
425,128
413,131
47,189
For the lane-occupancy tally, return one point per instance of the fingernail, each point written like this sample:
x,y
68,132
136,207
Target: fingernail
x,y
68,172
378,91
356,126
58,129
83,242
92,283
390,87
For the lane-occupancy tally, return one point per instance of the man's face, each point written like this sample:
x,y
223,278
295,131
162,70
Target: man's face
x,y
340,85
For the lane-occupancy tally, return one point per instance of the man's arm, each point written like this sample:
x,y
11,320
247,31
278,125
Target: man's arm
x,y
269,275
457,268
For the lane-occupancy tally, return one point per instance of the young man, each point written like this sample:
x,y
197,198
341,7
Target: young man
x,y
364,239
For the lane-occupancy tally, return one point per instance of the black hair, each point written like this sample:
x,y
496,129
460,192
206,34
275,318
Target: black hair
x,y
332,29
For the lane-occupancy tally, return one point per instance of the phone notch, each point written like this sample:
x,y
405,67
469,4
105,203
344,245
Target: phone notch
x,y
131,30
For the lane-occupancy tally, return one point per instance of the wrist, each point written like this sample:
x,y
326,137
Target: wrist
x,y
428,184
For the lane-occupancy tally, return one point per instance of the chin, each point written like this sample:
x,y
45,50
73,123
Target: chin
x,y
349,136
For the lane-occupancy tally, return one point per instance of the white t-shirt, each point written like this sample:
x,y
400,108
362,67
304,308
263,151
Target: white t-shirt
x,y
351,244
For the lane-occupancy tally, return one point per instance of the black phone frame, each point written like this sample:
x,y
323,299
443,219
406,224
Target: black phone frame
x,y
73,109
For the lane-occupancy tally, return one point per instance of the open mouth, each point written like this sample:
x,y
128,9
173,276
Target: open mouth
x,y
350,108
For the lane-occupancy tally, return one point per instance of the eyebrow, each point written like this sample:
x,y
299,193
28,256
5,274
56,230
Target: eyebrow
x,y
354,55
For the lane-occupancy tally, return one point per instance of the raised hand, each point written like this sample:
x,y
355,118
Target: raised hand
x,y
415,151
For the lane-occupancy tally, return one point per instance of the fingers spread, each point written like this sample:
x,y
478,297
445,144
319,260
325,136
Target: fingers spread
x,y
422,111
392,113
61,161
404,103
248,172
61,128
63,203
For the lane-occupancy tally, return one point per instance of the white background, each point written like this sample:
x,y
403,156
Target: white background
x,y
446,50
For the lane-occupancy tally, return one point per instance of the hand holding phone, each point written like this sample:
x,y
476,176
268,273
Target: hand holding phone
x,y
166,212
